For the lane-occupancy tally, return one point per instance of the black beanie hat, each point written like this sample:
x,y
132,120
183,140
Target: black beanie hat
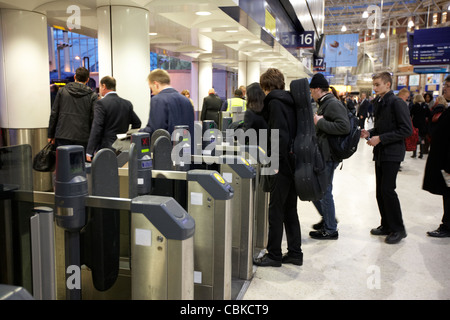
x,y
319,81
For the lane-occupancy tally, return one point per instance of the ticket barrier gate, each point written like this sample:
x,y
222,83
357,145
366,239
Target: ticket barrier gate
x,y
239,174
208,202
173,228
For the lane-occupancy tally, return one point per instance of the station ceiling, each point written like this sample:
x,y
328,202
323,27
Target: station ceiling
x,y
175,28
395,12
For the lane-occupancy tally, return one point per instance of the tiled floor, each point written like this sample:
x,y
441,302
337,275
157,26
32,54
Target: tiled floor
x,y
359,265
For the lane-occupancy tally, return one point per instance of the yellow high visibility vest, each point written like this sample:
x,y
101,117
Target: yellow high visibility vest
x,y
236,102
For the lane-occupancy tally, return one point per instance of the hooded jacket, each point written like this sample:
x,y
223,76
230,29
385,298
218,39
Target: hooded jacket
x,y
72,113
279,113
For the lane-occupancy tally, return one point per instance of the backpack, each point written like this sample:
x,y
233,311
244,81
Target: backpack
x,y
344,146
310,175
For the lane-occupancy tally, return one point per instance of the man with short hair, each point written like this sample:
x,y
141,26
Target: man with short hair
x,y
72,112
112,115
392,125
168,107
236,101
331,119
363,110
211,107
404,95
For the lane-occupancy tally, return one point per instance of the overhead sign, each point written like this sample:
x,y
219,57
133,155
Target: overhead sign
x,y
431,46
341,50
319,64
303,40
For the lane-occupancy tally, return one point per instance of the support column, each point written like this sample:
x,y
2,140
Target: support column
x,y
253,71
205,80
25,83
124,53
24,74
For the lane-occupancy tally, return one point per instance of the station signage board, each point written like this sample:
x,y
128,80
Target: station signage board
x,y
431,46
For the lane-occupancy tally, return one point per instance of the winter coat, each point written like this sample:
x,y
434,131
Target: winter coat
x,y
211,108
392,125
280,115
72,113
438,156
168,109
334,122
419,113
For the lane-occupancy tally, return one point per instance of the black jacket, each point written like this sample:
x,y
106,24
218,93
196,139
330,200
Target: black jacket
x,y
419,114
392,125
363,109
72,113
255,121
439,156
112,115
335,122
280,115
211,108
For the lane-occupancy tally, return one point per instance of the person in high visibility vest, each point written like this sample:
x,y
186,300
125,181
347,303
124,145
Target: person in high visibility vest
x,y
236,101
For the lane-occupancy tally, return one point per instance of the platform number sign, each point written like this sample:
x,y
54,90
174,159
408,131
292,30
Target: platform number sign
x,y
296,40
319,64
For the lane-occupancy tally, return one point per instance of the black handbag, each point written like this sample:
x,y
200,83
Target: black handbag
x,y
44,160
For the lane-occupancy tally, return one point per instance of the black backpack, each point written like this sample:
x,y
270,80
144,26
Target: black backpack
x,y
344,146
311,178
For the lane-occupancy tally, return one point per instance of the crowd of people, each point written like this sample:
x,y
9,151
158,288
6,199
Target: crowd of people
x,y
79,116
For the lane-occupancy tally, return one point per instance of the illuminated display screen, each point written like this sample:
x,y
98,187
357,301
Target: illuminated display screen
x,y
145,142
76,162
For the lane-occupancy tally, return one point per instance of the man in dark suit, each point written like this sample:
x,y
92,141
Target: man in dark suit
x,y
211,107
112,115
168,107
392,125
363,110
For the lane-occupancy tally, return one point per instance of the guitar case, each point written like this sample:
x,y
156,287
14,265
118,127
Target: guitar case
x,y
311,178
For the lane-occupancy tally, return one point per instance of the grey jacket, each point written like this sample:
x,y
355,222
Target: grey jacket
x,y
334,122
72,113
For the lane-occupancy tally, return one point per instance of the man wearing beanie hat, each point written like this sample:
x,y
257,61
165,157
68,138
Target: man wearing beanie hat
x,y
331,119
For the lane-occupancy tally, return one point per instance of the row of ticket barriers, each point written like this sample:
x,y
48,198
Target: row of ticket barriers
x,y
167,219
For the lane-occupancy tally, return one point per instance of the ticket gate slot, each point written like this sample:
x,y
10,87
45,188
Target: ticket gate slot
x,y
140,164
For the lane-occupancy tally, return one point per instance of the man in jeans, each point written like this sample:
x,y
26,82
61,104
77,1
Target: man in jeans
x,y
331,119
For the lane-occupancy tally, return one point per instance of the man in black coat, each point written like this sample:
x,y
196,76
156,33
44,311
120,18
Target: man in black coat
x,y
363,110
72,112
112,115
392,125
283,197
211,107
439,159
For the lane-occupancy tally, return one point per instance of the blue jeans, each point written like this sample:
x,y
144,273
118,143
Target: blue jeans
x,y
325,206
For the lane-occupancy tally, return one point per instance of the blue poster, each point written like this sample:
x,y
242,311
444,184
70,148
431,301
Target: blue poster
x,y
341,50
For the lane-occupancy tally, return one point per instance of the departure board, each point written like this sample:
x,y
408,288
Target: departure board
x,y
431,46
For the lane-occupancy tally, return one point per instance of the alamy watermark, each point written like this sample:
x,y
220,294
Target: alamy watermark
x,y
208,142
74,21
374,279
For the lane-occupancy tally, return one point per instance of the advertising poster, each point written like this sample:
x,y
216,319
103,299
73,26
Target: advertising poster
x,y
341,50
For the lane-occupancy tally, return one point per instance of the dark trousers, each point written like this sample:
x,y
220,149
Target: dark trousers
x,y
283,210
362,122
387,199
446,218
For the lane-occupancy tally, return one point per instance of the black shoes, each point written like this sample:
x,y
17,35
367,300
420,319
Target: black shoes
x,y
395,237
380,231
392,237
324,235
288,259
265,261
319,225
439,233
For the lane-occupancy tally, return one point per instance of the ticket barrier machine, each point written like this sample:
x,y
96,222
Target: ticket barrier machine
x,y
239,174
208,203
171,239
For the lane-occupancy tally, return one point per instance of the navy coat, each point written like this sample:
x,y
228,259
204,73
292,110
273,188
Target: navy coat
x,y
168,109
